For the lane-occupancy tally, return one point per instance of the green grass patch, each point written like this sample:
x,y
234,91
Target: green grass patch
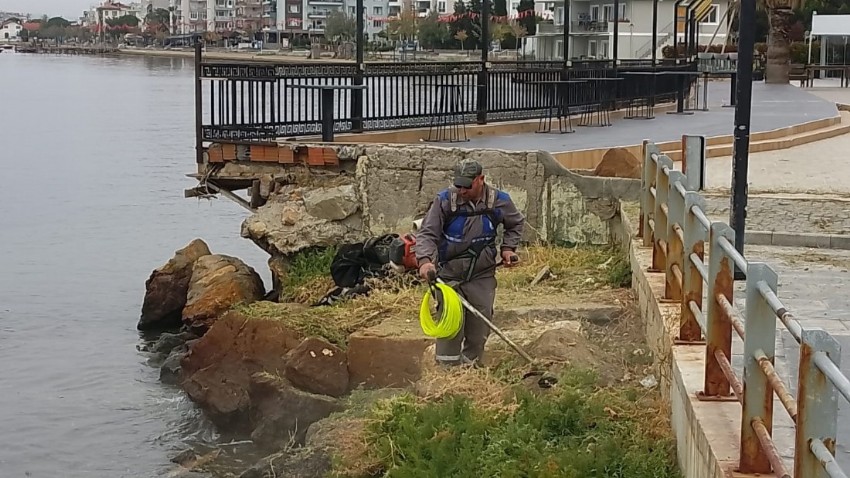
x,y
308,274
619,271
577,431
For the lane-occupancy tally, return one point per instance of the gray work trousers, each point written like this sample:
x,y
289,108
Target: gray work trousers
x,y
468,344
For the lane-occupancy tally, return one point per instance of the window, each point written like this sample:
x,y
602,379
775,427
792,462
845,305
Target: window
x,y
603,50
594,13
378,10
193,15
608,12
294,8
559,16
713,14
378,24
351,11
591,48
441,7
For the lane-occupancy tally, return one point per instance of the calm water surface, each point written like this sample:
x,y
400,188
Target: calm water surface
x,y
93,157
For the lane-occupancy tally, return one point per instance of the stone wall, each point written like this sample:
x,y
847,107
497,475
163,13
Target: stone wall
x,y
391,186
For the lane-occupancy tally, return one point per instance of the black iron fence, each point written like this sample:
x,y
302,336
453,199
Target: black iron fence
x,y
241,102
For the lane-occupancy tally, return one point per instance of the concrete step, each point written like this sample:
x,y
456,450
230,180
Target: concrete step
x,y
773,140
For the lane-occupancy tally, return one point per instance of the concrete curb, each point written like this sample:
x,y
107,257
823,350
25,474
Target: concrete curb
x,y
707,432
800,239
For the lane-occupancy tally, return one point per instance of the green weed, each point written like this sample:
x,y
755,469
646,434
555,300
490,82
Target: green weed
x,y
576,431
306,271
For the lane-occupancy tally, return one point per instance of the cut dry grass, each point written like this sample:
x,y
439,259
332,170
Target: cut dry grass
x,y
481,387
578,271
391,297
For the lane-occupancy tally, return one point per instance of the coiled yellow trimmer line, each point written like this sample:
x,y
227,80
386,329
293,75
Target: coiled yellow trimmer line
x,y
450,321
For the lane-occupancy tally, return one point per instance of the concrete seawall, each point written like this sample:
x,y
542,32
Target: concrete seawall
x,y
707,432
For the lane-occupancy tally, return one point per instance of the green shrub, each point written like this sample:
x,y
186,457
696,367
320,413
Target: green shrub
x,y
576,431
305,268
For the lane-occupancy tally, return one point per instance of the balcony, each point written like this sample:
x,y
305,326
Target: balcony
x,y
590,27
318,14
219,18
325,2
549,29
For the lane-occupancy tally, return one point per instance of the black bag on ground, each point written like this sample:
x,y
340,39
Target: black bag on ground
x,y
354,262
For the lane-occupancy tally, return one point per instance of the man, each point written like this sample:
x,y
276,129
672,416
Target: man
x,y
457,239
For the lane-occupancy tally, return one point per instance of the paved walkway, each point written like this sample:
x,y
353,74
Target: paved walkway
x,y
813,285
774,106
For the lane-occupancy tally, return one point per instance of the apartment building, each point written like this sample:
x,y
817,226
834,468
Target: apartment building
x,y
249,15
592,29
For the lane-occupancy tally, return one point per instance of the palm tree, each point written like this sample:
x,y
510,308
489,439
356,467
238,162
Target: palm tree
x,y
780,15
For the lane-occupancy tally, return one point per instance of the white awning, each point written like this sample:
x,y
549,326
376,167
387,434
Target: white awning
x,y
831,25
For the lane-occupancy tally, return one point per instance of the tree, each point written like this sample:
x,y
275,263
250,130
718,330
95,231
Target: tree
x,y
500,8
519,32
340,26
461,36
432,33
123,21
158,20
529,22
780,14
403,27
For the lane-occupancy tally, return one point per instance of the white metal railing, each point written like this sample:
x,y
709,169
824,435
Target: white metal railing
x,y
674,224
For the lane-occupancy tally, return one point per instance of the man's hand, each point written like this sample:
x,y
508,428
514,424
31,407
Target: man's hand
x,y
425,268
509,258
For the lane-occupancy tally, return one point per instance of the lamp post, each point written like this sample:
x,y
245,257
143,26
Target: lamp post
x,y
743,107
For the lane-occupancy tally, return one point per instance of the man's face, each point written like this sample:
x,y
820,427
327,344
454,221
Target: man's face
x,y
473,192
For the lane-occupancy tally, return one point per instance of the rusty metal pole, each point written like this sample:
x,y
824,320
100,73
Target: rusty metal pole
x,y
760,331
718,327
659,252
689,328
817,404
675,218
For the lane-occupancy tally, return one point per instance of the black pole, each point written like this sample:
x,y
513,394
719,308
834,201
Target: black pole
x,y
616,31
694,35
357,94
483,77
655,32
676,29
199,104
743,106
566,31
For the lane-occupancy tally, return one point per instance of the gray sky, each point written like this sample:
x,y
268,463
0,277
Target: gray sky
x,y
70,9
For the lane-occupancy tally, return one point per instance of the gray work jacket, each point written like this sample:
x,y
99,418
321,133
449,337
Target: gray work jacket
x,y
443,237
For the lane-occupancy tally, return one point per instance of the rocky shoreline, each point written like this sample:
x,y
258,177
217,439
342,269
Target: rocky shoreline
x,y
290,378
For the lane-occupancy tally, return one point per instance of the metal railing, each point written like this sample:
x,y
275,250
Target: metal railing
x,y
263,101
673,222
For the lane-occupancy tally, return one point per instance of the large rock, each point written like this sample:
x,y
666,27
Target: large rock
x,y
167,287
284,225
297,463
216,373
618,163
317,366
283,413
218,283
387,355
333,204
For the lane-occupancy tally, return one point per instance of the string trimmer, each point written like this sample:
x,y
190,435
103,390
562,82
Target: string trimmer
x,y
546,380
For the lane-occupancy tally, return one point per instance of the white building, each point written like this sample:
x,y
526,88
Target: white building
x,y
10,31
592,29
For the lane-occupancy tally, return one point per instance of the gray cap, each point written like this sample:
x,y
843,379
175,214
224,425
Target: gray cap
x,y
466,171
